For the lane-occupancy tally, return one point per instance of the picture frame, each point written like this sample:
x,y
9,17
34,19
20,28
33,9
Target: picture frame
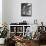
x,y
26,9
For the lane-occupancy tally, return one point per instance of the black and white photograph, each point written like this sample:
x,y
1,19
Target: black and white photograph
x,y
26,9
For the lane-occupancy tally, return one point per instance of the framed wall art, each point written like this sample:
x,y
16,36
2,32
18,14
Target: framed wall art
x,y
26,9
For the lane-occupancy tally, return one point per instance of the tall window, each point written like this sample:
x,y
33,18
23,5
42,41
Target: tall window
x,y
0,13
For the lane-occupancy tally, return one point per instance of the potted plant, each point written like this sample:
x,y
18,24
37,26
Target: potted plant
x,y
3,34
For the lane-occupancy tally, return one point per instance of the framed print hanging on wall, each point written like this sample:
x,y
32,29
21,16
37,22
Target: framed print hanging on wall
x,y
26,9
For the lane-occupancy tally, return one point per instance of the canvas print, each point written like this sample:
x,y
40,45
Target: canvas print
x,y
26,9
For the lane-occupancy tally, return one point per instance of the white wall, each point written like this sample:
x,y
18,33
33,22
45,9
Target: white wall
x,y
12,11
4,11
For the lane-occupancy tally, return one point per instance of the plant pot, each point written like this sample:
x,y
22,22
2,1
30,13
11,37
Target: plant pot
x,y
2,40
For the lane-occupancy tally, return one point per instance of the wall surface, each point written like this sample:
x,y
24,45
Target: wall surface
x,y
4,11
12,11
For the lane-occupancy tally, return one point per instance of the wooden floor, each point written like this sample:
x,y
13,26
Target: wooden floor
x,y
34,44
1,45
42,45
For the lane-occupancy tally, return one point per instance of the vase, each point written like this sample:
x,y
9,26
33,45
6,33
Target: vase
x,y
2,40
